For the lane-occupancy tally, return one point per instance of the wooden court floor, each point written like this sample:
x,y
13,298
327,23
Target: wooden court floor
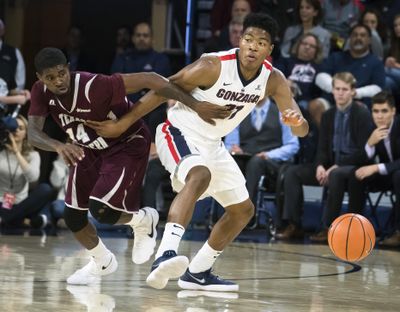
x,y
272,277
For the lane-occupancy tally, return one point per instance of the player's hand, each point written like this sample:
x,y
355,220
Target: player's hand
x,y
105,129
377,135
208,112
70,153
366,171
292,118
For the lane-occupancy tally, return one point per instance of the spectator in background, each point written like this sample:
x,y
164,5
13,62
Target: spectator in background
x,y
224,10
344,131
339,17
384,143
392,62
77,57
235,33
308,16
372,19
284,9
12,75
266,141
12,66
364,66
302,67
19,166
143,58
388,9
123,41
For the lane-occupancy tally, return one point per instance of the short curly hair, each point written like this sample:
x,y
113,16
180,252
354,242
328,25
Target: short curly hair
x,y
48,58
262,21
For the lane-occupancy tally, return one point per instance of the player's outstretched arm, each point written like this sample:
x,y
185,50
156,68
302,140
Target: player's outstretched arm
x,y
71,153
177,88
278,89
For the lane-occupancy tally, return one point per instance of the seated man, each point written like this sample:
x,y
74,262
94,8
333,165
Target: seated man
x,y
384,142
344,131
266,140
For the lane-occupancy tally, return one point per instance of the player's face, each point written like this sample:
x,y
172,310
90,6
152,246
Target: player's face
x,y
57,79
255,45
383,114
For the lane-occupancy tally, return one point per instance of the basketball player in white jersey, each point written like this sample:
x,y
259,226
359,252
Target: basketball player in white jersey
x,y
194,154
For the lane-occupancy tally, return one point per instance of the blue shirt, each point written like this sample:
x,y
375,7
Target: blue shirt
x,y
290,143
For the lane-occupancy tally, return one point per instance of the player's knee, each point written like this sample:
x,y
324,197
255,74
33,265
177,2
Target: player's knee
x,y
248,210
75,219
199,178
103,213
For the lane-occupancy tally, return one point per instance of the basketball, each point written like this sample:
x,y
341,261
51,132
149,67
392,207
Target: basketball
x,y
351,237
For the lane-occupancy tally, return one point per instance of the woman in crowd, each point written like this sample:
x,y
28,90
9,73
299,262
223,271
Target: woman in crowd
x,y
309,15
20,166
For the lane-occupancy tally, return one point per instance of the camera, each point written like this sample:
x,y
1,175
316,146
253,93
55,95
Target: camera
x,y
8,123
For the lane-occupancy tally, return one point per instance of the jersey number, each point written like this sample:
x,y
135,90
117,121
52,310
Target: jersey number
x,y
81,134
235,109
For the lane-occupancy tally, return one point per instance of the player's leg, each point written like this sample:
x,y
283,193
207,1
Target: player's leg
x,y
102,260
191,179
115,198
238,211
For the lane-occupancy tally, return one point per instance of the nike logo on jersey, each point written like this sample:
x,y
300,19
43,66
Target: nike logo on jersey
x,y
227,84
52,103
104,267
201,281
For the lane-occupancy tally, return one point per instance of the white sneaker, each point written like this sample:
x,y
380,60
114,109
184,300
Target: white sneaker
x,y
91,273
145,235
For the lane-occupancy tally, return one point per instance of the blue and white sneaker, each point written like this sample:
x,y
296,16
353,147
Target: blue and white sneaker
x,y
205,281
169,265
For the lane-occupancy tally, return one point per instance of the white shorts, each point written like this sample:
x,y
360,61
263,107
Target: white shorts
x,y
179,154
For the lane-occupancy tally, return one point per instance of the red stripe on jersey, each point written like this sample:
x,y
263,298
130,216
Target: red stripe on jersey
x,y
228,57
169,141
267,65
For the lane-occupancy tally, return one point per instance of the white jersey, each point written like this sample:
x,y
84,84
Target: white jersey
x,y
230,89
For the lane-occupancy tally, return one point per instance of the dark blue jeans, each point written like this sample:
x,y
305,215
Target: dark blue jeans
x,y
30,207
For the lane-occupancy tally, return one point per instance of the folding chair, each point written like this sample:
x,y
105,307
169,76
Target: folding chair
x,y
374,204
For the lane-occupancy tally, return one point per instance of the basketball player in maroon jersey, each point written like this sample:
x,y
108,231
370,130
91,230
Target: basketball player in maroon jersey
x,y
105,174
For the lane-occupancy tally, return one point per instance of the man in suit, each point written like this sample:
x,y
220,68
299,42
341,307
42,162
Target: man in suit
x,y
384,142
261,143
344,131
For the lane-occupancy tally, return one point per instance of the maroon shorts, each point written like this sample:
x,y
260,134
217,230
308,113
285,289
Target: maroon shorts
x,y
113,176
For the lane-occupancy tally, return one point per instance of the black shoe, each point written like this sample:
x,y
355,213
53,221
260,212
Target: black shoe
x,y
205,281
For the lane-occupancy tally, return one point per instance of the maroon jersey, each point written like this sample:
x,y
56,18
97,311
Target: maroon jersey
x,y
94,97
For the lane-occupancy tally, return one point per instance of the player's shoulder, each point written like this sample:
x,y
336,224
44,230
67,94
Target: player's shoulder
x,y
222,56
38,89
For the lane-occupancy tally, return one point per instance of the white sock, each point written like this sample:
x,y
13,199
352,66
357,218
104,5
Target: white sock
x,y
204,259
137,217
100,251
171,238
